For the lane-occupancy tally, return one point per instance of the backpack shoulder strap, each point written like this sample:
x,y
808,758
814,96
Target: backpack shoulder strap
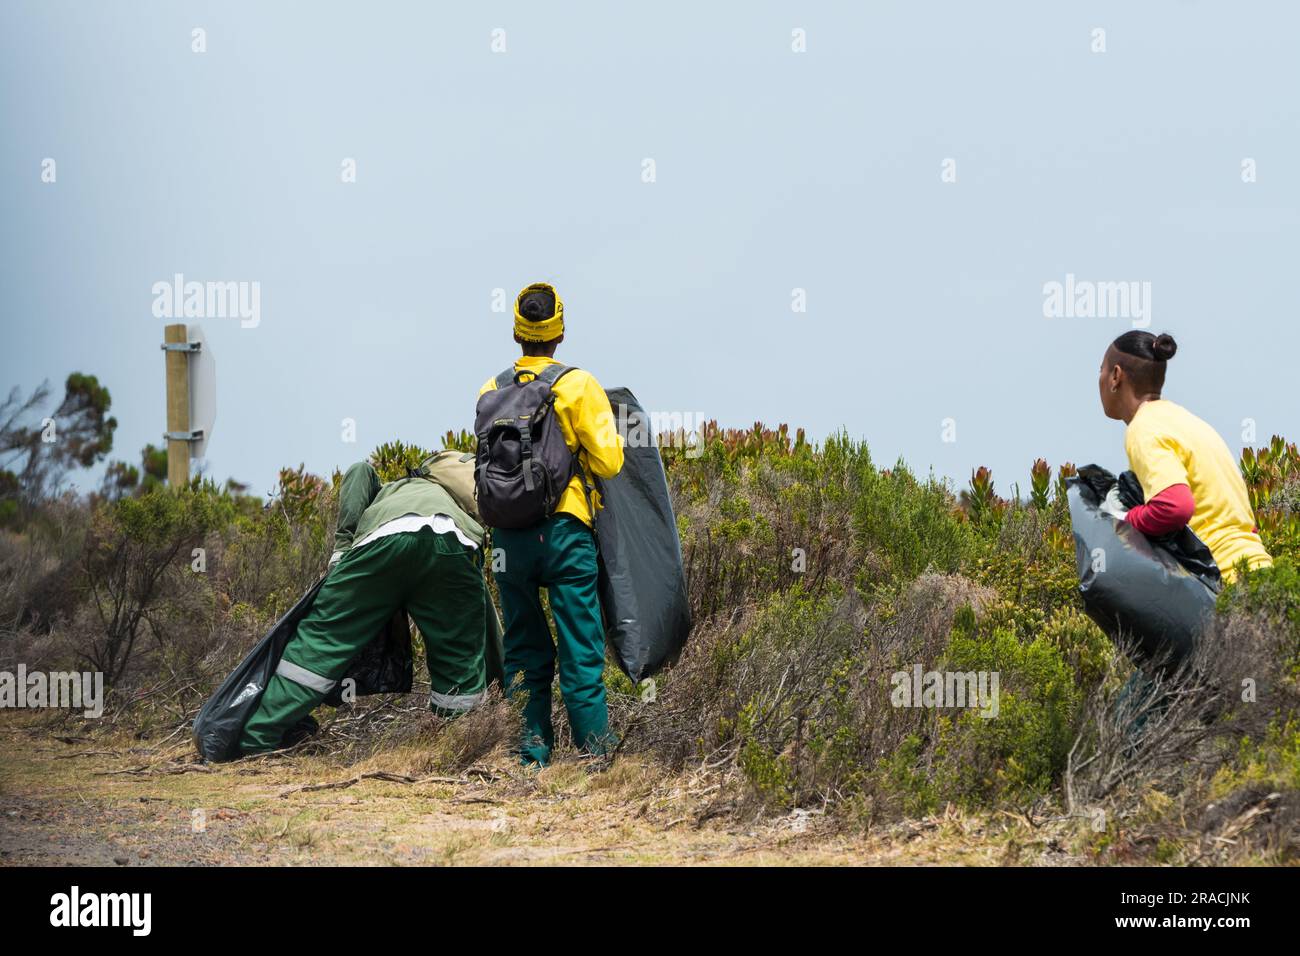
x,y
550,375
553,373
506,377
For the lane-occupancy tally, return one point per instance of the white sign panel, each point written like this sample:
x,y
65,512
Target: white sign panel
x,y
203,392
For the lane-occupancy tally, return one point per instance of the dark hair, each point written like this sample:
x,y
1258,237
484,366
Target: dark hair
x,y
1143,357
1144,345
537,306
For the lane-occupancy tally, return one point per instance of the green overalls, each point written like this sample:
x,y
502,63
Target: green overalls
x,y
430,573
558,554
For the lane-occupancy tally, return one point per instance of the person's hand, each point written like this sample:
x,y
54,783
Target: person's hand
x,y
335,558
1112,505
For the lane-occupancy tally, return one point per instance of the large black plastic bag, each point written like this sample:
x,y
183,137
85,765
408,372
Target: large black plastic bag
x,y
642,583
1136,588
384,666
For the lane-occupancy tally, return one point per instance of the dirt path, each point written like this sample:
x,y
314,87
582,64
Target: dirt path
x,y
80,802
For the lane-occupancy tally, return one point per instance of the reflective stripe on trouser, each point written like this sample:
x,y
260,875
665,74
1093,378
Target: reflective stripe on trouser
x,y
300,675
558,554
452,704
433,576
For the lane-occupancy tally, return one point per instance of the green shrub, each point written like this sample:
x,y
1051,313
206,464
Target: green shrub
x,y
392,459
1273,761
135,549
275,552
1021,752
909,527
1271,595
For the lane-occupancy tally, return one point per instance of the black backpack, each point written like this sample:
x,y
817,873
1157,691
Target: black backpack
x,y
523,464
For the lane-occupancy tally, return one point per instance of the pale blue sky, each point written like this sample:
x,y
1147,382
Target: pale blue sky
x,y
775,170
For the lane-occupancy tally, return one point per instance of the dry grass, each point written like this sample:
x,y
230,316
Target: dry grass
x,y
72,803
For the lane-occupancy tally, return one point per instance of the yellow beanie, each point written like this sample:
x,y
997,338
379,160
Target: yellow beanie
x,y
546,330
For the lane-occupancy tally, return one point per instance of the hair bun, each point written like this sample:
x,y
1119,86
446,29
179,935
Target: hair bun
x,y
1164,347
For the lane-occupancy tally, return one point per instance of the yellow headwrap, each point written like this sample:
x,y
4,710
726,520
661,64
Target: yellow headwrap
x,y
546,331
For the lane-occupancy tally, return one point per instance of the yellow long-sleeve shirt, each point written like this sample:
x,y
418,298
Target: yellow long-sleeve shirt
x,y
589,428
1167,445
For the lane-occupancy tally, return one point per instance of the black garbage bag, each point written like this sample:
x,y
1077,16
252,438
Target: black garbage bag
x,y
1189,550
1152,596
384,666
642,583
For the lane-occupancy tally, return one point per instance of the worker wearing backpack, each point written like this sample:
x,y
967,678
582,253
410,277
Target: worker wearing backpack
x,y
545,432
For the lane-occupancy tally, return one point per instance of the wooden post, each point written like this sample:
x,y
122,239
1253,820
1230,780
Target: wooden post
x,y
178,407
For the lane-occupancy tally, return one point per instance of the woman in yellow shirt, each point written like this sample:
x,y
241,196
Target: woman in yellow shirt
x,y
1187,473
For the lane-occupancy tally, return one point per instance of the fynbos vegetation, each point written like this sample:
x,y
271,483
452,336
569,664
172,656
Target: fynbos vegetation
x,y
816,578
